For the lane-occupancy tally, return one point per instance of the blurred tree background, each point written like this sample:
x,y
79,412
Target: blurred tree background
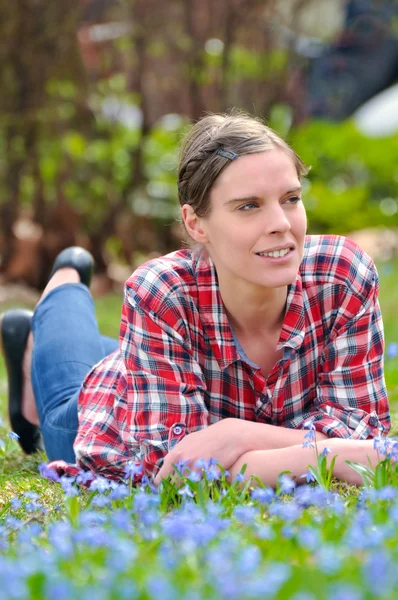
x,y
96,95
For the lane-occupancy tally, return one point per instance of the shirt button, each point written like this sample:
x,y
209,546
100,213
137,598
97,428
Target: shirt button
x,y
373,421
178,430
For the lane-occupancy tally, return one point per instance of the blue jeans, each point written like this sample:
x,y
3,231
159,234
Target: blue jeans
x,y
67,344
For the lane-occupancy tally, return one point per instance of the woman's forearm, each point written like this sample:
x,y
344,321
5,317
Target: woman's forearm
x,y
268,464
261,436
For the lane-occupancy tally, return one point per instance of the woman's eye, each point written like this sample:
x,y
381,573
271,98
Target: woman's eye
x,y
293,199
248,206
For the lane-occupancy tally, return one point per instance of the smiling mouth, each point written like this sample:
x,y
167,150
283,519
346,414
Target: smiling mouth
x,y
276,253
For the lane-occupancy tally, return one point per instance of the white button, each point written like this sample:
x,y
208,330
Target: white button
x,y
177,430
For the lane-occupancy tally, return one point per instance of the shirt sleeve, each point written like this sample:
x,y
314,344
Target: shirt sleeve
x,y
165,384
351,392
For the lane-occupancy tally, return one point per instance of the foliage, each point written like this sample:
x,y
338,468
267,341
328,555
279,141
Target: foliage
x,y
353,179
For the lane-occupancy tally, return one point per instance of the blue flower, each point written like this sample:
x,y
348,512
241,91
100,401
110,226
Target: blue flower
x,y
100,484
308,537
213,473
308,476
201,463
195,476
309,438
84,477
119,492
15,503
325,451
286,511
245,514
132,470
329,558
101,501
392,350
263,495
249,560
309,424
13,523
186,491
286,484
239,477
48,473
381,445
345,591
182,466
31,495
13,436
379,573
287,532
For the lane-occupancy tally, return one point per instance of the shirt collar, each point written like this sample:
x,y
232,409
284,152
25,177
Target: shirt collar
x,y
292,334
215,321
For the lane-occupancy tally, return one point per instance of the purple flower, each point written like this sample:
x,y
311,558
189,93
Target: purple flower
x,y
239,477
325,451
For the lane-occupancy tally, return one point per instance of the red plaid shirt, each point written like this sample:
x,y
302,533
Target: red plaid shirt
x,y
179,368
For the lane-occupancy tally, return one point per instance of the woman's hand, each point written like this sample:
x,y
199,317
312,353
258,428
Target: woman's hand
x,y
224,441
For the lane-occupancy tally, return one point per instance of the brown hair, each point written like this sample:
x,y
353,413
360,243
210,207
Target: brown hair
x,y
200,165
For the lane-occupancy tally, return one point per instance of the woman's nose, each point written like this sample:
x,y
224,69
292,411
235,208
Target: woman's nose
x,y
276,220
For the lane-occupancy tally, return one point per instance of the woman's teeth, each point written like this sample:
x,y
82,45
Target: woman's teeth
x,y
275,253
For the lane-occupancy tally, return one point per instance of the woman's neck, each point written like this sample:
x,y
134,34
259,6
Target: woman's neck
x,y
250,313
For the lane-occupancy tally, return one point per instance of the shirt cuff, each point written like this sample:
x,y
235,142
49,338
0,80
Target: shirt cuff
x,y
351,423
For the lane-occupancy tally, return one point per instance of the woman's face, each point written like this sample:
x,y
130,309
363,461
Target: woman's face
x,y
256,226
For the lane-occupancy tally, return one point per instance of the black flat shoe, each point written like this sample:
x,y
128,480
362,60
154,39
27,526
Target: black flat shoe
x,y
77,258
14,331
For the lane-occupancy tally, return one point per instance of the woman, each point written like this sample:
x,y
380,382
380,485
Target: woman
x,y
226,349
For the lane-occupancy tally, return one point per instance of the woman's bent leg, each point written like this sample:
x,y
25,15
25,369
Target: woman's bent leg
x,y
67,344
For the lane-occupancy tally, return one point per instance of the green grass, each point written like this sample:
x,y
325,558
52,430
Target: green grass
x,y
18,473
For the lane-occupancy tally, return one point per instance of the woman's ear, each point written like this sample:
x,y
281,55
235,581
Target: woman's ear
x,y
193,224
